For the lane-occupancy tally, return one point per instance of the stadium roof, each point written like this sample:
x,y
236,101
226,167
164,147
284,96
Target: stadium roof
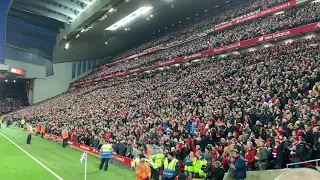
x,y
35,24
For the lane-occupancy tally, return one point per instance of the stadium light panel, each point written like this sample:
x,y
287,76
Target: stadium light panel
x,y
67,45
129,18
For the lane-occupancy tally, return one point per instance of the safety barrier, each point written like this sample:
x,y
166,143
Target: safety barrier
x,y
305,162
124,160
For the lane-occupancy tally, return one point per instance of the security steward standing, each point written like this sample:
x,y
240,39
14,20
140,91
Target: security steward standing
x,y
143,171
106,154
65,137
171,167
199,164
156,162
30,132
137,160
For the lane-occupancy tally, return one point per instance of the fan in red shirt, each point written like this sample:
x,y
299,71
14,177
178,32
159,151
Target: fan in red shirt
x,y
249,156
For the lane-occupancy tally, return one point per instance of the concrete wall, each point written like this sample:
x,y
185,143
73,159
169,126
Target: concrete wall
x,y
56,84
47,87
31,70
260,175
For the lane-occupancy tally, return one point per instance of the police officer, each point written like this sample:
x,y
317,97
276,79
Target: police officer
x,y
156,161
171,167
106,154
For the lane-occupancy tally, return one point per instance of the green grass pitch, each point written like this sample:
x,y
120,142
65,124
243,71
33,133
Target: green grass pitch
x,y
17,165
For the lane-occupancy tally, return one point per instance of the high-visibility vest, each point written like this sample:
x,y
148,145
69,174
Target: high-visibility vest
x,y
169,168
64,134
136,161
197,164
143,171
106,151
157,160
189,167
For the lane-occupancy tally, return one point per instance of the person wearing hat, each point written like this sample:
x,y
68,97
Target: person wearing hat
x,y
105,154
240,166
143,171
171,167
199,164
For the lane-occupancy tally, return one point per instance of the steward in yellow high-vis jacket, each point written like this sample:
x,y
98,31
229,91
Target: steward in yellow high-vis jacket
x,y
171,167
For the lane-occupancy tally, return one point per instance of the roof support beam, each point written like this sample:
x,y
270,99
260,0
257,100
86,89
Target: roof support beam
x,y
42,21
87,2
45,13
70,4
66,12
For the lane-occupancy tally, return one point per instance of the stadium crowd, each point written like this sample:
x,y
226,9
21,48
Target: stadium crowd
x,y
11,100
212,18
263,104
306,14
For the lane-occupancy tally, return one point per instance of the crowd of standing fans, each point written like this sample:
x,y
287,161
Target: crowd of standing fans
x,y
253,110
305,14
11,99
261,105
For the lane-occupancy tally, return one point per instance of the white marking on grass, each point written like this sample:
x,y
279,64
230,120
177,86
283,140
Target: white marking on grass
x,y
36,160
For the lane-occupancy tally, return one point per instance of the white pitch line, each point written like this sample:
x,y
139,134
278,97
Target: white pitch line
x,y
36,160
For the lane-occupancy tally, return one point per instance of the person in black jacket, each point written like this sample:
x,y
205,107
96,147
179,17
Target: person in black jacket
x,y
122,148
316,150
218,171
278,156
308,137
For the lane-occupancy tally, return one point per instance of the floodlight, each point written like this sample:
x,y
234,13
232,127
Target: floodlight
x,y
67,45
129,18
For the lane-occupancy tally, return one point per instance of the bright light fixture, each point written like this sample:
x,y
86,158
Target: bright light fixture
x,y
14,81
67,45
6,80
129,18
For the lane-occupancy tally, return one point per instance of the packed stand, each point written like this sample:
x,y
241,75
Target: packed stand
x,y
11,99
262,105
209,20
292,18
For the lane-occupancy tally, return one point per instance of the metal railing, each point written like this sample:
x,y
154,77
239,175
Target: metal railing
x,y
305,162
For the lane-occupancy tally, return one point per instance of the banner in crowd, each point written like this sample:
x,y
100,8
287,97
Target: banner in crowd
x,y
255,15
268,37
124,160
108,76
